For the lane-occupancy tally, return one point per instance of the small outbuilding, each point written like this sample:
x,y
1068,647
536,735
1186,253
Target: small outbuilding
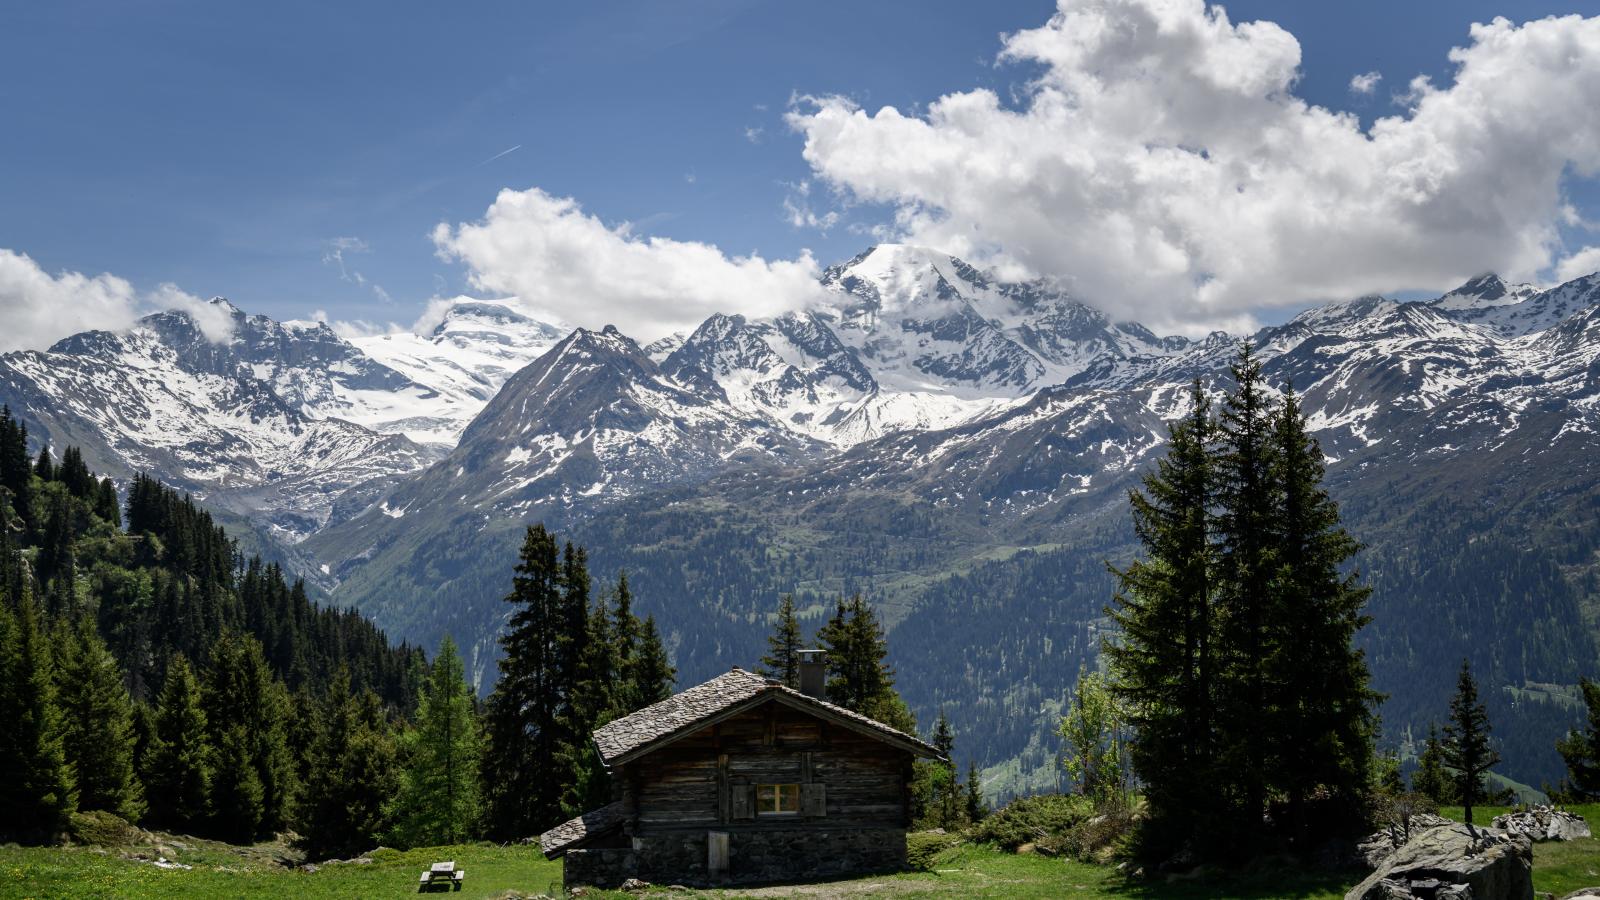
x,y
742,780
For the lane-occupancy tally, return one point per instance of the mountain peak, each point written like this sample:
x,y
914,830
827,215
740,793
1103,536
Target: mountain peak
x,y
1485,290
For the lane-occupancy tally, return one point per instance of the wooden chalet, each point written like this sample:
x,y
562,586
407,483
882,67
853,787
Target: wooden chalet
x,y
744,780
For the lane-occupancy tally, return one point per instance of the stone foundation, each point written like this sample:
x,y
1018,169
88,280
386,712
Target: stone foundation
x,y
754,857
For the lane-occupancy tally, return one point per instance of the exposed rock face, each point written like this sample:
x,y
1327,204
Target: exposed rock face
x,y
1543,823
1449,861
1380,845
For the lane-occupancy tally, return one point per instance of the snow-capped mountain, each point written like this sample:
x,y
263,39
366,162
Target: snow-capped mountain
x,y
912,340
456,368
234,420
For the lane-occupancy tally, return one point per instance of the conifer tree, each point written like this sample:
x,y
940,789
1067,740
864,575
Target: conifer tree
x,y
977,809
1580,749
653,675
1466,747
1248,504
44,466
74,474
1431,780
784,645
16,470
1164,664
177,766
36,787
522,782
625,635
858,677
1318,717
593,703
99,728
438,800
946,789
352,776
246,711
105,503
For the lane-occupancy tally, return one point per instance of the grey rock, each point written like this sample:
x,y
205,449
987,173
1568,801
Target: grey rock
x,y
1588,893
1544,823
1453,861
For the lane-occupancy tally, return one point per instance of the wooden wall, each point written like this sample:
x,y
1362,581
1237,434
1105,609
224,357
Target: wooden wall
x,y
848,779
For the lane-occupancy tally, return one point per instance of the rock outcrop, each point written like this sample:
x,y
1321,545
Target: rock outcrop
x,y
1452,862
1544,823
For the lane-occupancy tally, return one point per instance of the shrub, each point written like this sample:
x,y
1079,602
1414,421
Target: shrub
x,y
923,846
1030,820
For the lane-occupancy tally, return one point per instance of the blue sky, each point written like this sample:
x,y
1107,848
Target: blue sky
x,y
225,148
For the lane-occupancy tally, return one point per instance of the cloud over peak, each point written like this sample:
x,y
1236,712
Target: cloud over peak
x,y
39,308
564,264
1161,165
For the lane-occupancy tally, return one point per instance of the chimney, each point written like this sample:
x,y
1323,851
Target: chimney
x,y
814,673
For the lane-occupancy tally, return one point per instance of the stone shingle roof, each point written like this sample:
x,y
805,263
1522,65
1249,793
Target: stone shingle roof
x,y
563,837
686,711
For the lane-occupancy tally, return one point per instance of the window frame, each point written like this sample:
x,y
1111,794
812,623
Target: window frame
x,y
773,805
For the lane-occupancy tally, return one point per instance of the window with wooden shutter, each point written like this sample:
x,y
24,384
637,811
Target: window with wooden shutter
x,y
743,807
813,799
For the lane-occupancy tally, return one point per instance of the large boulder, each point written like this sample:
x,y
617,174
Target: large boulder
x,y
1381,844
1455,862
1544,823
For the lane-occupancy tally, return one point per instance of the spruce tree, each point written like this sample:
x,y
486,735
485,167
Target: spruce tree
x,y
36,787
784,645
246,711
44,466
16,470
977,809
1248,503
858,676
1466,747
352,776
626,632
593,703
653,675
99,721
1318,721
1164,664
438,800
105,503
74,475
1431,779
1580,749
946,790
522,783
177,766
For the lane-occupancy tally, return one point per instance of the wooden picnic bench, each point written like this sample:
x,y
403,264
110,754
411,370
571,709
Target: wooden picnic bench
x,y
442,873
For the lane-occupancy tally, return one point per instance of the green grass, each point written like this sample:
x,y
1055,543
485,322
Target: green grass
x,y
222,872
1559,867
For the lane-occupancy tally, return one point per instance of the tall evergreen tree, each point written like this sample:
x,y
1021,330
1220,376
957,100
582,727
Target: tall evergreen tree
x,y
105,503
16,471
74,475
353,774
99,728
44,465
246,712
977,809
1466,742
947,791
1164,664
439,801
858,676
36,787
784,645
177,766
1248,503
1580,749
593,703
1318,714
625,635
1431,779
653,674
522,781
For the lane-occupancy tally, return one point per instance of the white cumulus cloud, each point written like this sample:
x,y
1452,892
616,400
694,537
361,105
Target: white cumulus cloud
x,y
1366,82
1578,264
1162,166
39,309
566,265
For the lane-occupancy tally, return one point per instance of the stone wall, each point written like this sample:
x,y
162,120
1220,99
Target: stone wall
x,y
755,856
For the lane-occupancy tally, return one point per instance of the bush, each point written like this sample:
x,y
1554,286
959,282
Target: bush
x,y
99,828
923,846
1030,820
